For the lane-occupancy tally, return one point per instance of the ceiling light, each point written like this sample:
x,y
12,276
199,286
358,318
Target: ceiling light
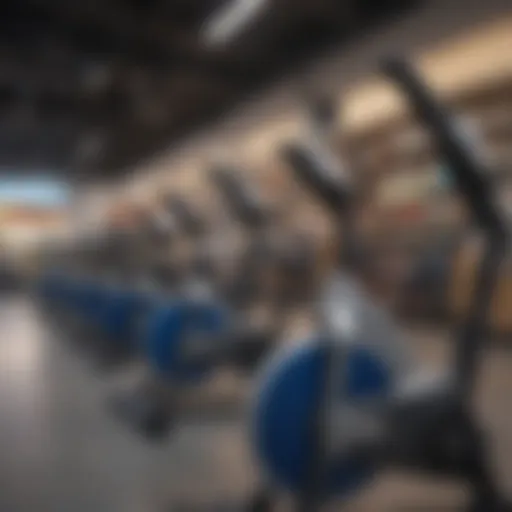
x,y
227,23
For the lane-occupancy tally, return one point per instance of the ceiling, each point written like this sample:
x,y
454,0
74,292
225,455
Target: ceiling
x,y
91,87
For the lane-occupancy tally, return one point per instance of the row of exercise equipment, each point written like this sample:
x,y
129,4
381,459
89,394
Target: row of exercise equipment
x,y
182,318
331,411
334,410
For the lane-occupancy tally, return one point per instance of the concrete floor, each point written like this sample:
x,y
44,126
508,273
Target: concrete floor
x,y
62,452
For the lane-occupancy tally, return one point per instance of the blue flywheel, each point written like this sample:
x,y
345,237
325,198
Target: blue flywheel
x,y
170,325
286,401
120,313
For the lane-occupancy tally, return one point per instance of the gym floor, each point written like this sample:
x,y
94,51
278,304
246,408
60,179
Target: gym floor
x,y
62,451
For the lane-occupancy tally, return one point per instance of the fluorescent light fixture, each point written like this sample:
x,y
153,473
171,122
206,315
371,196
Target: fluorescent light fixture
x,y
227,24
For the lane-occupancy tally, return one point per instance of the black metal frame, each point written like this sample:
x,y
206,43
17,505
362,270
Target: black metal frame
x,y
450,414
475,187
241,198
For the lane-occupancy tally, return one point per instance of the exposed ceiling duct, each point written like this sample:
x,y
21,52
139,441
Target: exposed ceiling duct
x,y
141,75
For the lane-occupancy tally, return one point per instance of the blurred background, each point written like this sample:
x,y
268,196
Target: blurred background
x,y
108,105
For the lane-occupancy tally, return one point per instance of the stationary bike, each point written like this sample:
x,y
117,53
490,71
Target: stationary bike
x,y
209,324
330,412
140,275
183,326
